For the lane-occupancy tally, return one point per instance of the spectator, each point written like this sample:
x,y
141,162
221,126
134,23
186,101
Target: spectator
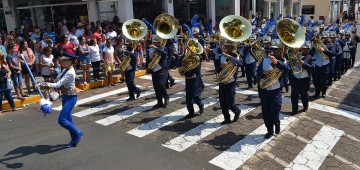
x,y
112,36
119,54
46,62
66,46
2,48
15,67
30,60
11,41
140,55
55,51
102,43
108,57
80,30
5,73
95,58
50,34
88,35
84,57
39,51
72,36
97,34
92,27
35,37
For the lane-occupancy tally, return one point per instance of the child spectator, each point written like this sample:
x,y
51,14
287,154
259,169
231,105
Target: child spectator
x,y
15,67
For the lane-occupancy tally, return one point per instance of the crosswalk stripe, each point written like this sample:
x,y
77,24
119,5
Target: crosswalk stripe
x,y
242,91
109,105
96,97
312,105
148,77
315,152
133,111
190,138
158,123
247,147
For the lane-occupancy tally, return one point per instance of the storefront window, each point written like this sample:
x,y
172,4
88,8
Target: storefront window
x,y
147,9
107,10
186,9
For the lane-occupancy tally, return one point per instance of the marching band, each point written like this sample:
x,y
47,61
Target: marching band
x,y
279,52
269,56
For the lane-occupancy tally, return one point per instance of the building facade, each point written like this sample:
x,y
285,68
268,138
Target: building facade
x,y
17,13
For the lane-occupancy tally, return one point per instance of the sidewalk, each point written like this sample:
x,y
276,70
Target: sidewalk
x,y
35,97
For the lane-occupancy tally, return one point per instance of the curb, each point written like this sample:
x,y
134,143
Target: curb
x,y
79,88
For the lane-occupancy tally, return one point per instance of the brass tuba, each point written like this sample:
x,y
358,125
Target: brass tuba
x,y
257,51
134,30
270,79
294,58
166,27
317,45
236,29
191,60
292,35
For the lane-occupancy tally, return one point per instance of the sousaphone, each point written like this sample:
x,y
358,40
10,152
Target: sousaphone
x,y
134,30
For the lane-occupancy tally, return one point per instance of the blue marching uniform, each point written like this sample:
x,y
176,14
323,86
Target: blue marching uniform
x,y
130,76
347,45
271,97
227,91
250,67
338,59
160,76
300,84
170,49
321,71
194,86
217,52
240,50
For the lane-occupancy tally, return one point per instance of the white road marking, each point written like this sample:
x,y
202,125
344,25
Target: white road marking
x,y
96,97
109,105
315,152
160,122
133,111
247,147
192,136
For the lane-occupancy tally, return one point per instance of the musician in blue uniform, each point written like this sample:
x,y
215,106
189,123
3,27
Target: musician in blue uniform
x,y
215,48
193,87
322,70
250,64
300,82
171,52
227,89
159,73
271,96
337,49
277,53
347,45
130,74
241,48
355,39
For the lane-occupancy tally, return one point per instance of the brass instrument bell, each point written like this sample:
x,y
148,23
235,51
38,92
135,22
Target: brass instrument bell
x,y
290,33
235,28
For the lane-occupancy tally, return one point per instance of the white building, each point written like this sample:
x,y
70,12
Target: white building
x,y
13,13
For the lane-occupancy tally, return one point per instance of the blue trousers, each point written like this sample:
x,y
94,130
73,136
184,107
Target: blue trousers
x,y
9,98
270,107
129,80
299,87
250,70
320,78
227,99
159,80
194,88
65,117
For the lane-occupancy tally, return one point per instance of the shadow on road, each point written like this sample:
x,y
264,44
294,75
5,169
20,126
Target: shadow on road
x,y
28,150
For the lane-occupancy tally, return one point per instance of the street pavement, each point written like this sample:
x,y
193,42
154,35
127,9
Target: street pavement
x,y
130,135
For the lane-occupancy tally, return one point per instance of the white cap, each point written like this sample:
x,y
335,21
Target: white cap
x,y
195,30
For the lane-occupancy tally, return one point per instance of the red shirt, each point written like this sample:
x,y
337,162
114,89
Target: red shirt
x,y
68,48
97,36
